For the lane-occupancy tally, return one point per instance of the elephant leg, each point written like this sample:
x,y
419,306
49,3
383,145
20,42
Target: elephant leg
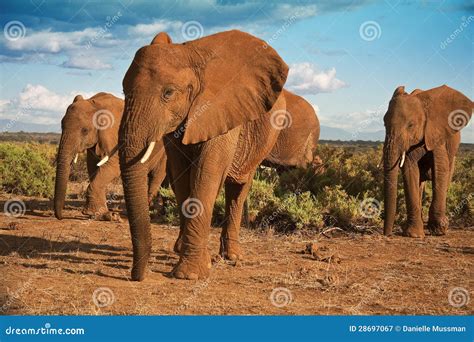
x,y
92,169
96,191
182,190
91,164
411,179
235,197
207,176
179,175
437,221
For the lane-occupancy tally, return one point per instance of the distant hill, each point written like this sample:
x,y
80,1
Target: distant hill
x,y
9,126
332,133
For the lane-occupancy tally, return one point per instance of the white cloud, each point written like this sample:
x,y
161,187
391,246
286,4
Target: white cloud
x,y
283,11
305,78
86,63
42,46
54,42
39,105
4,103
154,28
39,97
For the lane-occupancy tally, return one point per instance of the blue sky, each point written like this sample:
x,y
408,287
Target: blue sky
x,y
346,57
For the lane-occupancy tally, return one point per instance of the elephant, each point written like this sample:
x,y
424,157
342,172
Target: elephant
x,y
297,142
92,125
211,100
422,139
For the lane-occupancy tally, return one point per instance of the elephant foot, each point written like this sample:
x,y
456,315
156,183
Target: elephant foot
x,y
438,227
95,210
230,249
193,266
139,270
414,230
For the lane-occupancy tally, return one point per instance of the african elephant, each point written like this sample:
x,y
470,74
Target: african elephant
x,y
297,141
296,144
422,138
210,99
92,125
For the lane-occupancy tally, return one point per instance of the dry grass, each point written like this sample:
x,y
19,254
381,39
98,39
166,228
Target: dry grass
x,y
54,267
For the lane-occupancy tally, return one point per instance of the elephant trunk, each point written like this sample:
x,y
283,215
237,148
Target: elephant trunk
x,y
134,135
391,167
63,168
135,186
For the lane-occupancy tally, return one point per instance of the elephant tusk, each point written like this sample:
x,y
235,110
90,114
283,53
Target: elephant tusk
x,y
76,157
103,161
402,161
148,152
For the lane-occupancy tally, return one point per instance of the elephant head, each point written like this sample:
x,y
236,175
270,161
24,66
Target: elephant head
x,y
91,123
198,90
426,118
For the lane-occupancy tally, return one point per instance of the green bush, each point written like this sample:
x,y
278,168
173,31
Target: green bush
x,y
26,169
170,210
356,171
292,211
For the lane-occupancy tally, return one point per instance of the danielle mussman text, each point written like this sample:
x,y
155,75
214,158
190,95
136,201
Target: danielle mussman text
x,y
433,328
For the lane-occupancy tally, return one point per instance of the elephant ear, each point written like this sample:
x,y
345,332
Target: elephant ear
x,y
161,38
447,112
77,98
399,91
108,111
241,77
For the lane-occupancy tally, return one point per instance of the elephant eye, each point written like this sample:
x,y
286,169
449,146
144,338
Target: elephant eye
x,y
410,125
84,131
168,93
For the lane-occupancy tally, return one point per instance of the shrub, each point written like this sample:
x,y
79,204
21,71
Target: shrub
x,y
261,194
170,207
356,171
27,169
293,211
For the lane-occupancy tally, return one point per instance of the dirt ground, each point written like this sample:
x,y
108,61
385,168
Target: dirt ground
x,y
77,266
